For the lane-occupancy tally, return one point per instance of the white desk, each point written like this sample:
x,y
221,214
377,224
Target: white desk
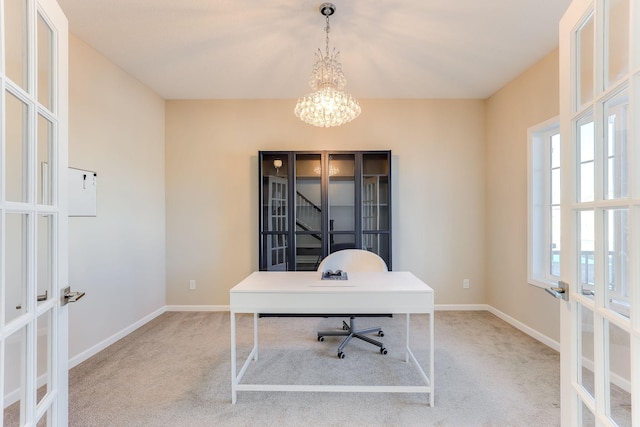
x,y
304,293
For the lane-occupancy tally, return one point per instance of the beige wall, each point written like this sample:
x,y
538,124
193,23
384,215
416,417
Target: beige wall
x,y
526,101
212,188
118,258
459,192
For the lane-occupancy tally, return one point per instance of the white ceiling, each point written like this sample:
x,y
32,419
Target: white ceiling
x,y
259,49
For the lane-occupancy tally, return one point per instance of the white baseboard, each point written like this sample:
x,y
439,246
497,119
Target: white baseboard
x,y
76,360
524,328
197,308
461,307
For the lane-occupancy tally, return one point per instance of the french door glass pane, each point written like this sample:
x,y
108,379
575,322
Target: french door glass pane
x,y
45,55
16,58
14,377
586,153
617,265
620,372
585,350
555,219
45,133
588,419
616,147
43,350
15,265
16,149
554,262
46,419
584,39
617,40
44,274
586,252
342,193
555,170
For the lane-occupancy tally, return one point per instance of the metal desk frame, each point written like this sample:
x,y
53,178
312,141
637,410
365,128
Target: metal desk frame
x,y
304,293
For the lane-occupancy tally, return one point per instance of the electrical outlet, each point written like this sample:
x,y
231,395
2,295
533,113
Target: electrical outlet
x,y
192,284
465,283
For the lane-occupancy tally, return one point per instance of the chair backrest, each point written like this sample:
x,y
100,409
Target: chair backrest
x,y
350,260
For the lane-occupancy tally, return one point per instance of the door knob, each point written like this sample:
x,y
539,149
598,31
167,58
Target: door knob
x,y
560,291
67,296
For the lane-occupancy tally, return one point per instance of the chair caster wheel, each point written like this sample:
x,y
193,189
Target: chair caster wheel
x,y
383,350
380,334
320,338
341,355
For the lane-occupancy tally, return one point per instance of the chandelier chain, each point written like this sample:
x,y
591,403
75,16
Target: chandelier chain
x,y
327,29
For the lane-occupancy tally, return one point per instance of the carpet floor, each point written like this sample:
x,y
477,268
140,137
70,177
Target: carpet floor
x,y
176,371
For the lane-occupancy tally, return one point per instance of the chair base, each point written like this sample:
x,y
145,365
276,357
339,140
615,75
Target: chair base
x,y
350,331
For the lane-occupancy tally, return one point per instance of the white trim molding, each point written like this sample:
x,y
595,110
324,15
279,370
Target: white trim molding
x,y
526,329
461,307
197,308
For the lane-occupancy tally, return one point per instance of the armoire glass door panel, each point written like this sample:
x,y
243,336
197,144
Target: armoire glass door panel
x,y
308,251
342,194
340,241
375,192
308,212
275,196
378,243
308,192
274,250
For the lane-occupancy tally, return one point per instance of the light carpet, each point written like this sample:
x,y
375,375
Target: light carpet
x,y
176,371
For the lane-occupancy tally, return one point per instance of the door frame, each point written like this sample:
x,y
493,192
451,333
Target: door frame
x,y
53,405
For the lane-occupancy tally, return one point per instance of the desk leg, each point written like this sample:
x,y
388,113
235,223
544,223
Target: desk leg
x,y
406,353
234,379
255,335
431,357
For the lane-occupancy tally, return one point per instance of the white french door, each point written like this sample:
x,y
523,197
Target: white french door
x,y
33,213
600,127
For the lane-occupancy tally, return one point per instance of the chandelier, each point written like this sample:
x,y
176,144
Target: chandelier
x,y
328,105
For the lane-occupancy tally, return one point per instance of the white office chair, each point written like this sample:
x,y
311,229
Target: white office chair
x,y
353,260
